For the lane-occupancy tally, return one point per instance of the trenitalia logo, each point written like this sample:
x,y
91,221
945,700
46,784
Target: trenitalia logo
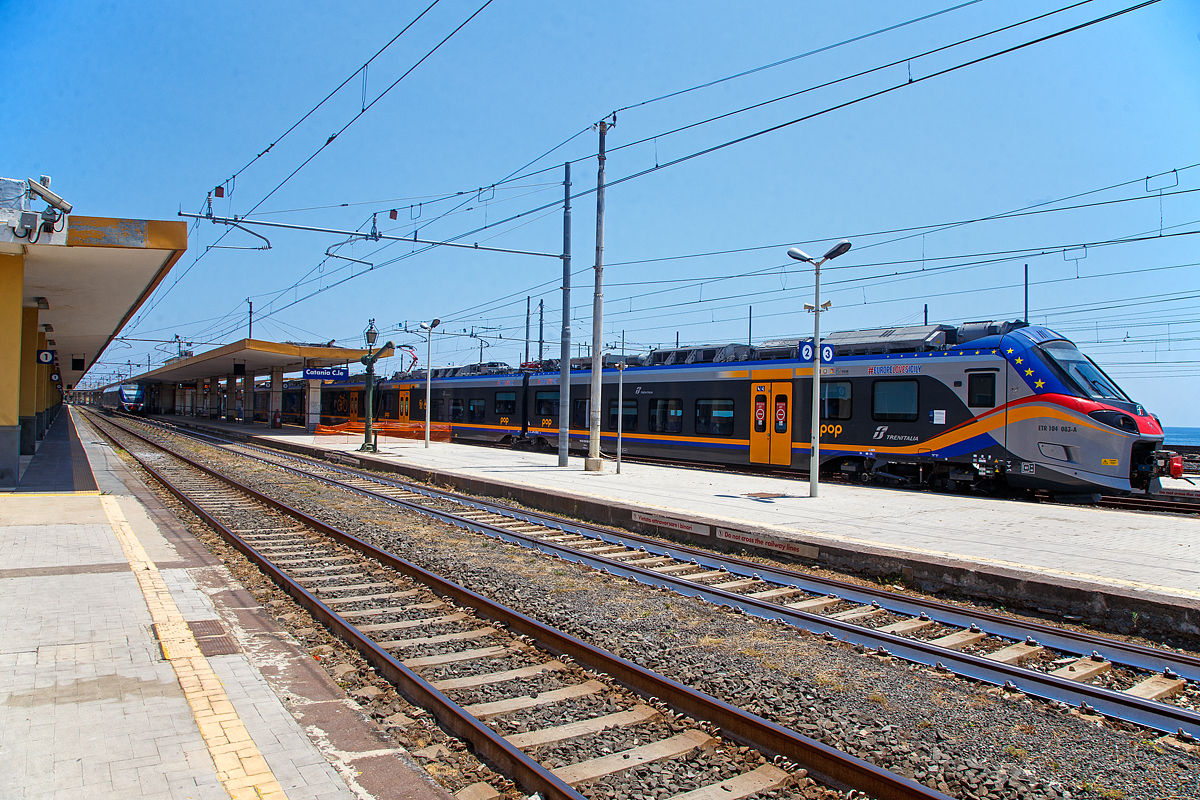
x,y
880,431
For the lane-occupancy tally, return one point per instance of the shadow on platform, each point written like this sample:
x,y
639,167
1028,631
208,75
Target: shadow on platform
x,y
60,464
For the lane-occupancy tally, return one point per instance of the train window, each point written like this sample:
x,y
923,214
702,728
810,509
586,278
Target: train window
x,y
579,413
439,409
835,399
457,411
981,390
895,401
666,416
506,402
1090,379
545,404
781,413
629,423
760,413
714,417
476,410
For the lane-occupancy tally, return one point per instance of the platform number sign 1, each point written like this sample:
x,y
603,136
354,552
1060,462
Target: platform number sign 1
x,y
45,356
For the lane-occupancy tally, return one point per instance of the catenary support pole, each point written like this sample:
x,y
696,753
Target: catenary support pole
x,y
541,330
593,462
564,366
528,300
1026,294
428,380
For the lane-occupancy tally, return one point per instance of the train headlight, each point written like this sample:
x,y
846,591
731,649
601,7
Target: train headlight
x,y
1115,419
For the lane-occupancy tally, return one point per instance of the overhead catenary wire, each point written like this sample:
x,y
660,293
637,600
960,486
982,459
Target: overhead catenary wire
x,y
355,118
790,59
551,205
338,88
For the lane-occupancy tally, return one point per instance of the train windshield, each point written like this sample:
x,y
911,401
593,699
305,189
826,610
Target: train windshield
x,y
1086,375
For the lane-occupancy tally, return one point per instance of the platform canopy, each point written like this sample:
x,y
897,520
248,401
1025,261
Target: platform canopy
x,y
89,279
256,356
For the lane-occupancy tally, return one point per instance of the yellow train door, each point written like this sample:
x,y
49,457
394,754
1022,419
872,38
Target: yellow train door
x,y
771,423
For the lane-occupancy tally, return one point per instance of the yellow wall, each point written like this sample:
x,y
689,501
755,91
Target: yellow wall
x,y
29,323
12,286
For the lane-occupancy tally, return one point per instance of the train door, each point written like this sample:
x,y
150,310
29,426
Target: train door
x,y
771,423
402,398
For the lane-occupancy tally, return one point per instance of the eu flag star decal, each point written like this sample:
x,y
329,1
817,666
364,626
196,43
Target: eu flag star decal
x,y
1039,384
1010,351
1028,372
1020,360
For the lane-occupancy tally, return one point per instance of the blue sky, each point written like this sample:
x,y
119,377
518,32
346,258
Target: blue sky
x,y
140,111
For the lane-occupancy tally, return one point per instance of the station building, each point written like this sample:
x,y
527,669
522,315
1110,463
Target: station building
x,y
68,284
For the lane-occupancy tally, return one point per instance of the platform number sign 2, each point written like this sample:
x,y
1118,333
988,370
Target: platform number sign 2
x,y
806,351
45,356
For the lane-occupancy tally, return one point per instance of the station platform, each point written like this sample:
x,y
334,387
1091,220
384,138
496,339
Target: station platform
x,y
1129,571
132,663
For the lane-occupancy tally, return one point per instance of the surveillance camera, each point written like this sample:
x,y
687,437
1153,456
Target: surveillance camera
x,y
49,196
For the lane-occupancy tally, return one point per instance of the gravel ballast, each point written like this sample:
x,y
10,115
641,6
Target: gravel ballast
x,y
963,738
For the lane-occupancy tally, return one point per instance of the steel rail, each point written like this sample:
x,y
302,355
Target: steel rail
x,y
1147,713
823,762
486,743
1076,642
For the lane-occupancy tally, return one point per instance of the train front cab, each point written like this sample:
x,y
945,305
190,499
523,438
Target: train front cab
x,y
1070,428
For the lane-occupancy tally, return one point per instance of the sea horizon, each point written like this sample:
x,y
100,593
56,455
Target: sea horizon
x,y
1181,436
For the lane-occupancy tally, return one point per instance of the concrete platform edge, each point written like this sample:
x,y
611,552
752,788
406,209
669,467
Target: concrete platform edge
x,y
1109,608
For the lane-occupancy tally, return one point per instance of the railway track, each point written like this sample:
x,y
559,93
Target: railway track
x,y
537,691
1151,504
1152,687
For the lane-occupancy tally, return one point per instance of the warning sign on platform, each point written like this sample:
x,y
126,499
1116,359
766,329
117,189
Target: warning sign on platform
x,y
769,542
672,524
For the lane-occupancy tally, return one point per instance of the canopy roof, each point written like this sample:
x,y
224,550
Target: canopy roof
x,y
258,356
91,277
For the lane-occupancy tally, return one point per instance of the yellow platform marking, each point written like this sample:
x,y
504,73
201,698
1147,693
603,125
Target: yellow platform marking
x,y
240,766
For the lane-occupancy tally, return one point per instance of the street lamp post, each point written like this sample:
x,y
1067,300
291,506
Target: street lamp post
x,y
428,328
371,334
814,461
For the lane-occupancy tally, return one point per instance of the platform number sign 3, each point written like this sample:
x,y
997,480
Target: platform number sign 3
x,y
827,353
45,356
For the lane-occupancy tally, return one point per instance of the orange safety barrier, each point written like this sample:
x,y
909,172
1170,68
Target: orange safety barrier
x,y
438,431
